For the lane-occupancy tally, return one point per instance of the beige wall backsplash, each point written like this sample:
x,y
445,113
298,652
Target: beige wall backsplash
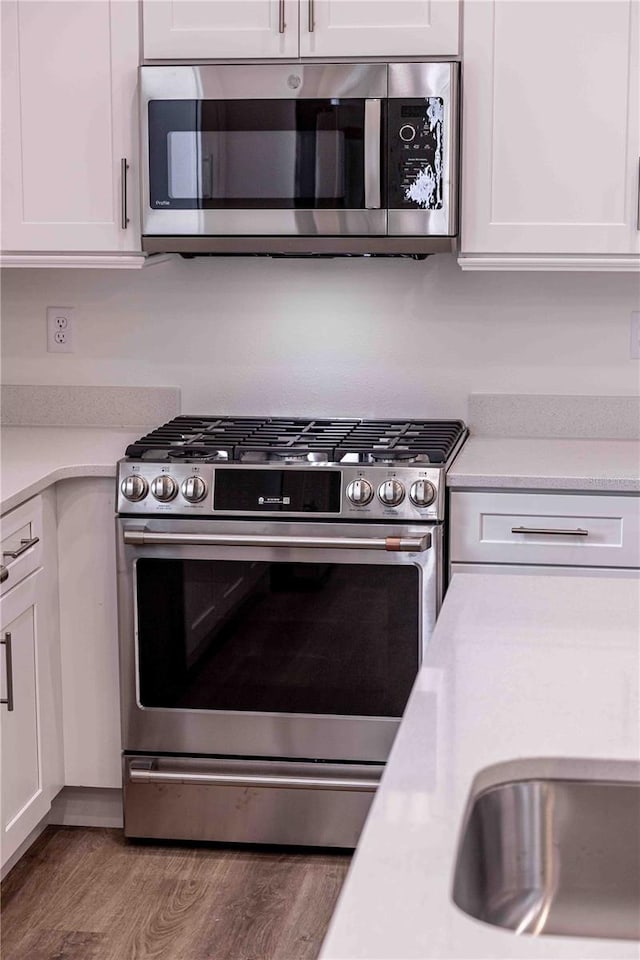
x,y
351,337
537,415
62,405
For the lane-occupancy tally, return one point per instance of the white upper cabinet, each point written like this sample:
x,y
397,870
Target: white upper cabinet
x,y
378,28
233,29
206,29
551,127
69,119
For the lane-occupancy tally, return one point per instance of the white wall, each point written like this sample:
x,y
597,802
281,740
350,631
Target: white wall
x,y
353,337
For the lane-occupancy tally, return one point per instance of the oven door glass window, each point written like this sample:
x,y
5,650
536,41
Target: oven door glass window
x,y
277,637
271,154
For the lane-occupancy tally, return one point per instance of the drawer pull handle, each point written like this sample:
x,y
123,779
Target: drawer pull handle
x,y
549,531
4,573
7,650
24,546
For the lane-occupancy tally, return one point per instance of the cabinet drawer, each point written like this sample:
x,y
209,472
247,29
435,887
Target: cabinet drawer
x,y
545,570
21,540
540,528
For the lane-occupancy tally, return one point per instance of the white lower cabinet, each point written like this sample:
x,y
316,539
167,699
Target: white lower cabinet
x,y
30,712
89,632
24,799
551,533
59,656
520,570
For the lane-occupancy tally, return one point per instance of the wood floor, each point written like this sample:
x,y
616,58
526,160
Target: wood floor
x,y
88,894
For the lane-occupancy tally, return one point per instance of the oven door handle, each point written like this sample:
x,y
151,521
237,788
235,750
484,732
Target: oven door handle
x,y
409,544
137,775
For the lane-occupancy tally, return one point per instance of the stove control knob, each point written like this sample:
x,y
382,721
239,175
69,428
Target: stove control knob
x,y
360,492
194,489
391,492
422,493
164,488
134,487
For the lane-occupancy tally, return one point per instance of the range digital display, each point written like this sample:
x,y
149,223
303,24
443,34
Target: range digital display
x,y
277,491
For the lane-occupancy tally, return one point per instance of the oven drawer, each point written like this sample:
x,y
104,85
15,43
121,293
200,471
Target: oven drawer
x,y
545,528
246,801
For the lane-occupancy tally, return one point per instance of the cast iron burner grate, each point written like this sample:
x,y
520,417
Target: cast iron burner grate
x,y
386,440
194,437
255,439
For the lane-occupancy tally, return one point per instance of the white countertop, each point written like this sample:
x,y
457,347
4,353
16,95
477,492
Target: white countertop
x,y
611,466
518,667
35,457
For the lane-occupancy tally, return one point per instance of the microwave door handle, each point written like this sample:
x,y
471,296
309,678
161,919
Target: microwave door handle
x,y
372,153
207,176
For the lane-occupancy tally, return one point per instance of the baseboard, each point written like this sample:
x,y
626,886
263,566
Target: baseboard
x,y
74,807
24,846
87,807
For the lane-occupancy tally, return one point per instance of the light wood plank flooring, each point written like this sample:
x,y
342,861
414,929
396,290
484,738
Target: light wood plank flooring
x,y
88,894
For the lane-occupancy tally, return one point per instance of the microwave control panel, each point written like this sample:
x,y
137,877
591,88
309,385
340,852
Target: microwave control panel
x,y
416,145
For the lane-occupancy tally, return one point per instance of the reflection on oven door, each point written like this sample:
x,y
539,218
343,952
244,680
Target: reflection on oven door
x,y
311,638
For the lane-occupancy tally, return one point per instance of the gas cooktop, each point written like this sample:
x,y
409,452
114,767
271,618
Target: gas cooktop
x,y
290,468
282,440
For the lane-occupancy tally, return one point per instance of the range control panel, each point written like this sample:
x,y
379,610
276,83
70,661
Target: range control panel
x,y
370,492
416,144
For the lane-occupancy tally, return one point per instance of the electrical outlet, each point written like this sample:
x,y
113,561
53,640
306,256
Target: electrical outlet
x,y
635,335
60,329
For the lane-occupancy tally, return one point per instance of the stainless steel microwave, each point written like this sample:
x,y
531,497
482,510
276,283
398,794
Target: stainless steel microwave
x,y
299,158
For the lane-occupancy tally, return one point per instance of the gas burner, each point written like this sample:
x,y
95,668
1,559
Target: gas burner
x,y
179,454
384,455
207,456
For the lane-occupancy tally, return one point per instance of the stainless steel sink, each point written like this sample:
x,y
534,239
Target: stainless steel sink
x,y
553,856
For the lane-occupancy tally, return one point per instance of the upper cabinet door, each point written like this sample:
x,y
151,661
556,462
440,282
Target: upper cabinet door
x,y
378,28
551,127
69,119
217,29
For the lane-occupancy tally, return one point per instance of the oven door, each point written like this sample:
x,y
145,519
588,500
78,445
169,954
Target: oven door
x,y
272,639
269,149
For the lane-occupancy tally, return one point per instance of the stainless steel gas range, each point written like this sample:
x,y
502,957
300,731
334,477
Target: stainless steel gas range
x,y
278,582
